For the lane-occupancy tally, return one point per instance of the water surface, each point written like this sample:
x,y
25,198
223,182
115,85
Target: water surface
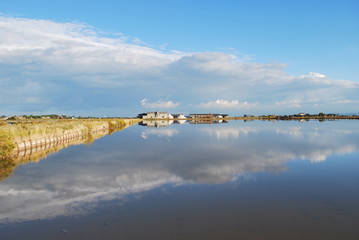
x,y
235,180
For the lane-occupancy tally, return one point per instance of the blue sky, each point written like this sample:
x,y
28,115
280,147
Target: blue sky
x,y
119,58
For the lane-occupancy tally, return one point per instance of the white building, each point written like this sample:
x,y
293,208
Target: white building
x,y
179,116
155,115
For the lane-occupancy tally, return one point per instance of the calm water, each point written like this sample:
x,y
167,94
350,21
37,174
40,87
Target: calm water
x,y
236,180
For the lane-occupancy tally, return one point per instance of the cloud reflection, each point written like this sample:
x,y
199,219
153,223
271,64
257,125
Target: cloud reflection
x,y
121,163
167,133
227,132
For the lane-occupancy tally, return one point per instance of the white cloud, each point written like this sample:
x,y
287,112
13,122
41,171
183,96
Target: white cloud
x,y
158,104
74,67
321,79
222,104
75,47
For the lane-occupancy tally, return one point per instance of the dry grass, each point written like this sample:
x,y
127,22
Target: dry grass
x,y
22,131
6,162
89,129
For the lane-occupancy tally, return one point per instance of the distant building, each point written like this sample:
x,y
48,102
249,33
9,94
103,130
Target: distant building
x,y
155,115
208,115
210,118
179,116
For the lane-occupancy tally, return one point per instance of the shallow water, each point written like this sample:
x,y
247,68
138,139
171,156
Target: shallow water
x,y
236,180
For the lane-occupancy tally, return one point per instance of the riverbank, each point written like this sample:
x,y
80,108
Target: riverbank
x,y
29,141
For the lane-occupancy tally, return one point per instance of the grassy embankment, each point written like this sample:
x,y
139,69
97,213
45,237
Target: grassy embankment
x,y
20,132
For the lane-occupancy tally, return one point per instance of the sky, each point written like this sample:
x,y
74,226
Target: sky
x,y
121,58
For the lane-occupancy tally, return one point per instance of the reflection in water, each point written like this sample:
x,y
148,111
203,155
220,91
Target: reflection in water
x,y
166,123
228,132
135,160
40,151
34,154
159,133
156,123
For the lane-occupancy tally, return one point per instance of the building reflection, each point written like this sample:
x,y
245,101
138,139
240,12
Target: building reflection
x,y
156,123
166,123
207,121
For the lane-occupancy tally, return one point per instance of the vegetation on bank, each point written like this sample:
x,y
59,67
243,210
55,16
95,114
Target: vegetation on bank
x,y
6,148
16,132
53,117
25,130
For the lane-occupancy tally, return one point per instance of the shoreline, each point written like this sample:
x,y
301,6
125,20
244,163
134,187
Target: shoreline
x,y
30,141
279,118
284,118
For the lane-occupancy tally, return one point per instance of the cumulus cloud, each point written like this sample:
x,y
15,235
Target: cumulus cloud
x,y
78,43
223,104
75,67
321,79
158,104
